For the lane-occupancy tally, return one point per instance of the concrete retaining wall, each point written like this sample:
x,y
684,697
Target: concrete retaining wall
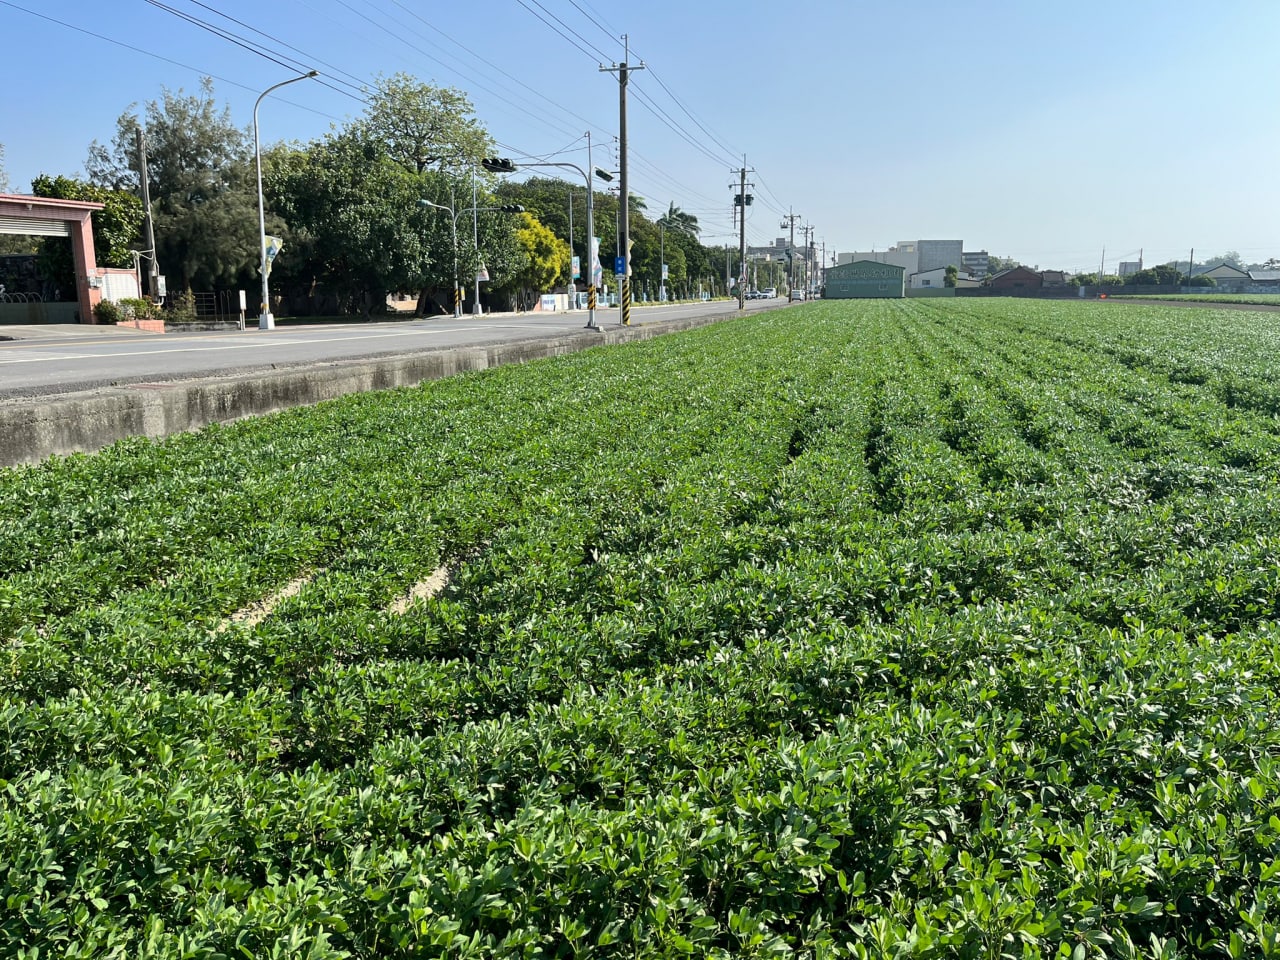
x,y
33,429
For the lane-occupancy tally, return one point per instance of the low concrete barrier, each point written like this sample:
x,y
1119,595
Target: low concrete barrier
x,y
33,429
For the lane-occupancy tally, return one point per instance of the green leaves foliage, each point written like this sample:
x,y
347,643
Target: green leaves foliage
x,y
932,628
200,167
115,226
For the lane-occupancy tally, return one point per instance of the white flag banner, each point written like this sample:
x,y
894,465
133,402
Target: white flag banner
x,y
597,271
272,247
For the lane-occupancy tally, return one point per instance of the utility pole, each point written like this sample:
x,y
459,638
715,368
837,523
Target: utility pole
x,y
790,220
573,286
742,237
476,309
741,201
593,254
153,266
662,261
624,226
808,230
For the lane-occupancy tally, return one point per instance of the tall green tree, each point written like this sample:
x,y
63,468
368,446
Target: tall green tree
x,y
422,125
352,199
1164,275
677,221
359,208
1231,258
202,183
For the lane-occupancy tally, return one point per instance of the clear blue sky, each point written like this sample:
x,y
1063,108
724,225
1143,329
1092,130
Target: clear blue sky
x,y
1034,130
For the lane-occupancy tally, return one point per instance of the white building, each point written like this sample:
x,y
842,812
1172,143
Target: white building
x,y
929,278
903,255
914,256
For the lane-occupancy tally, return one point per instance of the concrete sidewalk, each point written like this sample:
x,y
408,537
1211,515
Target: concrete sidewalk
x,y
68,331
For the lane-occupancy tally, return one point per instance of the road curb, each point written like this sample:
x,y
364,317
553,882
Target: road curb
x,y
34,429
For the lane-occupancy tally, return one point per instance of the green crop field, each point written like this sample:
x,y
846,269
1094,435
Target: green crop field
x,y
865,629
1255,299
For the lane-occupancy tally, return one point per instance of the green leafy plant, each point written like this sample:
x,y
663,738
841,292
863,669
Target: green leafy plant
x,y
137,308
106,311
181,308
944,628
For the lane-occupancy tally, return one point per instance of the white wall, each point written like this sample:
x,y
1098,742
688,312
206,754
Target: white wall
x,y
120,284
929,278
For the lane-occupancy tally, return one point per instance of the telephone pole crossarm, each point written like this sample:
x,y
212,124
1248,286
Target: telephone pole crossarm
x,y
624,197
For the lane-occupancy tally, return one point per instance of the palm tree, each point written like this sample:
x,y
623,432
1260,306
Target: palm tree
x,y
677,221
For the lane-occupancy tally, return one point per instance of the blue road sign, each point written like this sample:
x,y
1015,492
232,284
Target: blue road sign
x,y
619,266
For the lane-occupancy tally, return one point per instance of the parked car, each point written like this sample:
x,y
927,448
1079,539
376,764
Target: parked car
x,y
770,292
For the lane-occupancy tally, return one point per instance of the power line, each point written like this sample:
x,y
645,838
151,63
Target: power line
x,y
598,52
551,20
647,102
522,110
720,143
489,63
155,56
611,34
295,64
359,84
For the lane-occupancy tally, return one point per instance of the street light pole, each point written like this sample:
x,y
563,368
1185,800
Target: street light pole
x,y
475,238
453,230
265,320
500,165
573,286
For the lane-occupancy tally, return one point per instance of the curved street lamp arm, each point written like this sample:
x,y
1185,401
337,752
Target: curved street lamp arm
x,y
265,320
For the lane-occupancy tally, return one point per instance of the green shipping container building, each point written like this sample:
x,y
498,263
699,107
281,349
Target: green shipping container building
x,y
865,278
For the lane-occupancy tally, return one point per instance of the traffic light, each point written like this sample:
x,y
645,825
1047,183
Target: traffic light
x,y
498,165
511,208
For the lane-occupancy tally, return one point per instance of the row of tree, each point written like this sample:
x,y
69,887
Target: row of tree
x,y
349,208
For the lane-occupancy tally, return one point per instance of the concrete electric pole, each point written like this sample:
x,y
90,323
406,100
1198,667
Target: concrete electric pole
x,y
624,226
790,221
148,226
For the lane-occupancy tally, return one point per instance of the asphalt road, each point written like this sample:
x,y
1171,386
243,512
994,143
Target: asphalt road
x,y
40,361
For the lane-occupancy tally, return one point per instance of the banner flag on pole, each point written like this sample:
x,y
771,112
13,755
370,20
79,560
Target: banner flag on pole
x,y
597,271
272,245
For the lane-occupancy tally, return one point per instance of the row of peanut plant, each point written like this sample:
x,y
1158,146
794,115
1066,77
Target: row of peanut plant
x,y
886,629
